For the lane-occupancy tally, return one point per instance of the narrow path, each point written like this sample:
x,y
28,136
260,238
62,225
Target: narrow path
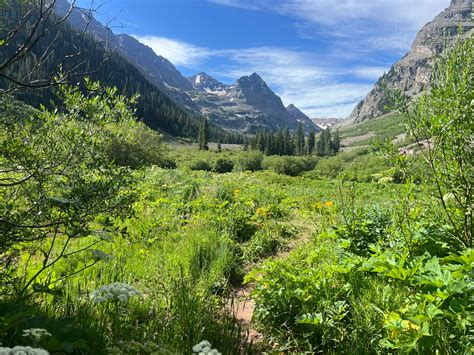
x,y
242,305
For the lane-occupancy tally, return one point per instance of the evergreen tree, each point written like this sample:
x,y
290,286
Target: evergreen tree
x,y
299,140
204,135
321,144
246,144
219,147
311,142
336,142
328,148
279,143
287,143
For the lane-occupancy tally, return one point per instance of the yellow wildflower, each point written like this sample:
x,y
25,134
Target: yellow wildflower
x,y
329,203
261,212
236,193
318,205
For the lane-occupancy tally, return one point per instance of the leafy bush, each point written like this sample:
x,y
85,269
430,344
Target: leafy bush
x,y
249,161
291,166
222,165
139,146
365,227
200,165
266,241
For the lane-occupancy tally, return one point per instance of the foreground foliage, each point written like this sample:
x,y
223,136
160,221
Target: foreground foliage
x,y
107,247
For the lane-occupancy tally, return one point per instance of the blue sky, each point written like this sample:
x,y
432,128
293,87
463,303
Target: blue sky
x,y
321,55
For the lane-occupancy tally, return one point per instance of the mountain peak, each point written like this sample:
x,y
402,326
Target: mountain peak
x,y
296,112
412,74
255,76
206,83
460,2
301,117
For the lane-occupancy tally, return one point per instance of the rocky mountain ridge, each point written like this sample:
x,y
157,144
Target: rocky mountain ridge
x,y
246,106
412,73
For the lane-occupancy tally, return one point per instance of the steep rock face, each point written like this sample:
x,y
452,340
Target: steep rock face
x,y
412,74
296,112
205,83
257,94
301,117
247,105
156,68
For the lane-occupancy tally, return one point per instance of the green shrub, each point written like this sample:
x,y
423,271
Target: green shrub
x,y
222,165
249,161
266,241
291,166
365,227
200,165
139,145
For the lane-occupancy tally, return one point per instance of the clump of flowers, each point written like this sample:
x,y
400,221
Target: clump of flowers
x,y
262,212
236,193
328,203
318,205
115,292
23,350
204,347
36,334
321,205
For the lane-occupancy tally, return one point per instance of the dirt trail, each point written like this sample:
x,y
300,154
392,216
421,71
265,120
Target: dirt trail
x,y
242,305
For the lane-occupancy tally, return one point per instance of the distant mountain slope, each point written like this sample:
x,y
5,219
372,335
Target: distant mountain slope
x,y
324,123
247,105
155,108
296,112
412,74
157,69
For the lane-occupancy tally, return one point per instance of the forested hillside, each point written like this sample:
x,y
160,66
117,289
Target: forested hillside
x,y
77,53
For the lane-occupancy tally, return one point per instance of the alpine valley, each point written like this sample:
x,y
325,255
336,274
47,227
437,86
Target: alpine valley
x,y
170,206
247,105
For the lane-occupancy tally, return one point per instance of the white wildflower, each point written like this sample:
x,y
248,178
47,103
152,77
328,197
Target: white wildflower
x,y
36,333
115,292
122,297
22,350
204,348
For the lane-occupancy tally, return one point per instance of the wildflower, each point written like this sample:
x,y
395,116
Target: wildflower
x,y
36,333
236,193
115,292
448,197
23,350
329,203
385,180
318,205
261,212
204,347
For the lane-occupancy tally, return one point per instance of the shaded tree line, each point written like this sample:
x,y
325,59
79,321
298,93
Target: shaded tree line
x,y
297,143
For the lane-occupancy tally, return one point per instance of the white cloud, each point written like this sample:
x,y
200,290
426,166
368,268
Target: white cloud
x,y
321,84
408,12
369,73
178,52
294,75
365,24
